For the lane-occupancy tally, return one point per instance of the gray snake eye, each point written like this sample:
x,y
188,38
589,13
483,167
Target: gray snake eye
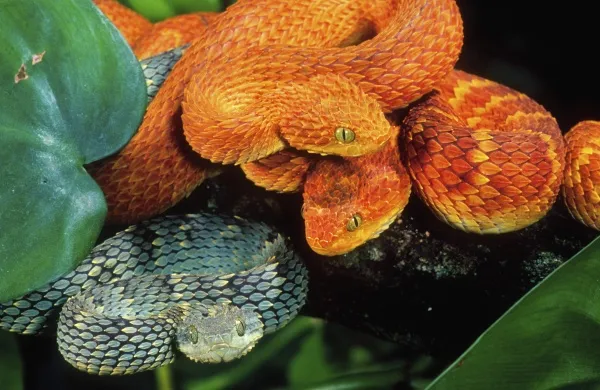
x,y
193,334
240,327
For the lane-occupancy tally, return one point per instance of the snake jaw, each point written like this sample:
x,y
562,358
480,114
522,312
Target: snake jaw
x,y
223,333
348,202
222,353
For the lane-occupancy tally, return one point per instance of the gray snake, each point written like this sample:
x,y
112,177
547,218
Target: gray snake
x,y
211,284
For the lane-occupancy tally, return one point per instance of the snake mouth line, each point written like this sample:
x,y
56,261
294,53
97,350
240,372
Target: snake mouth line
x,y
219,346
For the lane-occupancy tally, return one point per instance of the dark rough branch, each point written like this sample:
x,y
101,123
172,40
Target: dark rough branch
x,y
422,284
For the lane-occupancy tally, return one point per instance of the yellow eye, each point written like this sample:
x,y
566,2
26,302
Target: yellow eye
x,y
240,327
354,222
344,135
192,334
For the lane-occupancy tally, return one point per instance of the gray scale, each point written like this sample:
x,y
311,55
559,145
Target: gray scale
x,y
157,68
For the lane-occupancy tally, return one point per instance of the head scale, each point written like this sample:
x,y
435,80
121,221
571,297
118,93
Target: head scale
x,y
222,334
331,115
348,202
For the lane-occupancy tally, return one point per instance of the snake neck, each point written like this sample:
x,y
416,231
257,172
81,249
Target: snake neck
x,y
325,114
349,201
399,64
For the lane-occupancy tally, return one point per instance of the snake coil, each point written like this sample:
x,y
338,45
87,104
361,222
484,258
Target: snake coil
x,y
214,284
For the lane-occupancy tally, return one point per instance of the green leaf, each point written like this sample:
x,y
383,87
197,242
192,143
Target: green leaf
x,y
311,358
157,10
10,362
547,340
73,93
387,376
153,10
188,6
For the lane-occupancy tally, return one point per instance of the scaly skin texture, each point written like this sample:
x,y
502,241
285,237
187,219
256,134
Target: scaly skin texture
x,y
223,334
301,114
148,39
131,24
172,32
417,43
375,187
581,189
485,158
282,172
278,96
350,201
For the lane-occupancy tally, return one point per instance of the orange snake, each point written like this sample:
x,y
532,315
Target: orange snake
x,y
304,104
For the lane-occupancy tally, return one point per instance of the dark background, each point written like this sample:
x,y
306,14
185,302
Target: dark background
x,y
543,49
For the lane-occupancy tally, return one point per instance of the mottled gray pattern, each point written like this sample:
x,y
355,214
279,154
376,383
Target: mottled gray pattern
x,y
122,318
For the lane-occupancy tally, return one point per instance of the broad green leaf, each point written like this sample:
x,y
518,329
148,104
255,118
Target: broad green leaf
x,y
72,93
547,340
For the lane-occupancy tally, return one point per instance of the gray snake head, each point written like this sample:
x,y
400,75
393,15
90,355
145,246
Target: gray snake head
x,y
222,334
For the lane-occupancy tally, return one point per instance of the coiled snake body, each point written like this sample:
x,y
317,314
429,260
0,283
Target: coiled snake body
x,y
212,284
272,85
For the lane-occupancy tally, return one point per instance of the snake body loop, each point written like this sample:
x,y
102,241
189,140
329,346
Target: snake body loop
x,y
283,95
140,292
416,42
484,157
273,85
581,187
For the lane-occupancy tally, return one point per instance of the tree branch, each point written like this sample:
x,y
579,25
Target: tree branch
x,y
422,284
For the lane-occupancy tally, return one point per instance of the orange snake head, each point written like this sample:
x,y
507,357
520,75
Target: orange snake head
x,y
348,202
330,115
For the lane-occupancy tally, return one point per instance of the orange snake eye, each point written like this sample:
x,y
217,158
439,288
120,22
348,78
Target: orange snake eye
x,y
344,135
354,222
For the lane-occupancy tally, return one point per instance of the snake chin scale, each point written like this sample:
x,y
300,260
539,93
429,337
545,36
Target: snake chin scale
x,y
219,333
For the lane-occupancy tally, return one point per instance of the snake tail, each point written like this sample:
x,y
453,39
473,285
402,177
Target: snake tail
x,y
581,188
